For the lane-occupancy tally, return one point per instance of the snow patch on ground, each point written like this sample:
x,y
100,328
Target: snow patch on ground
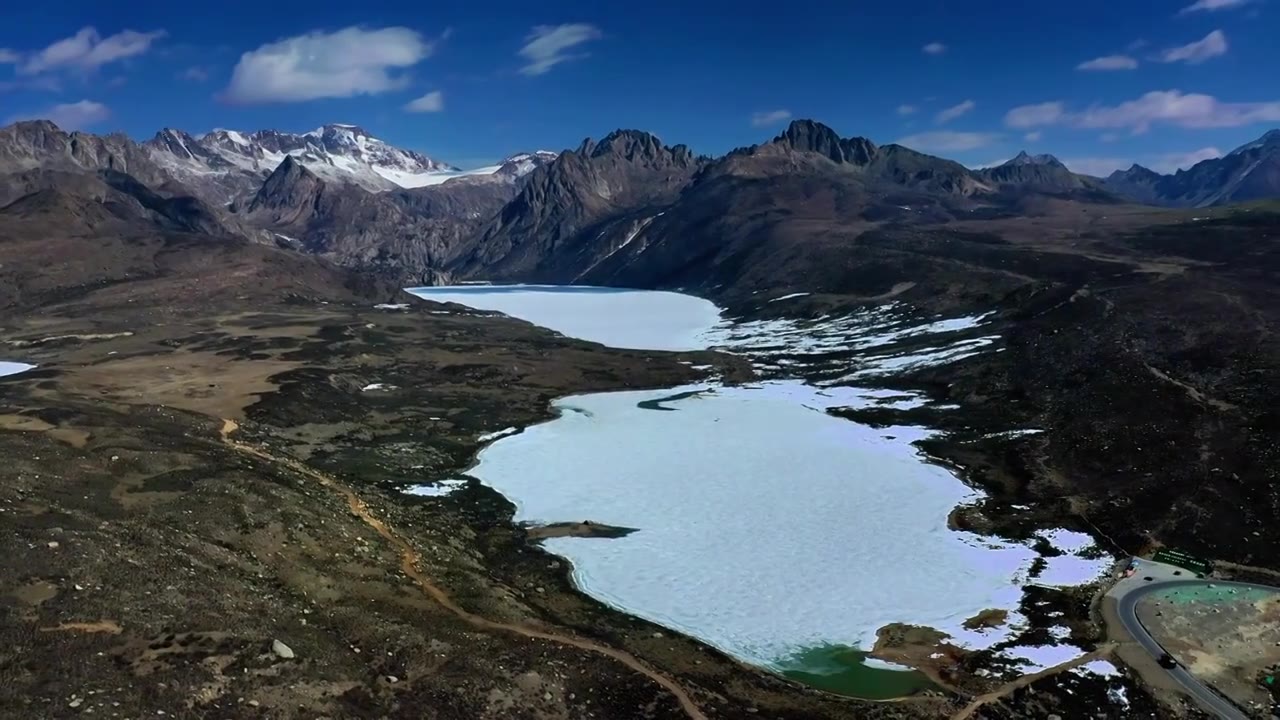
x,y
788,297
1080,564
391,306
986,638
439,489
879,664
371,387
499,434
1101,668
13,368
1034,658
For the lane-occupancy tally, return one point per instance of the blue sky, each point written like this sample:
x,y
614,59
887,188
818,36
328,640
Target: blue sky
x,y
1099,83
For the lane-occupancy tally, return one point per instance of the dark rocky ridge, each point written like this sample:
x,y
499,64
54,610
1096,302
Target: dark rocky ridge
x,y
39,144
1043,172
623,174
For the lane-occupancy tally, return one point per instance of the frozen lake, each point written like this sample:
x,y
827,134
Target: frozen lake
x,y
634,319
766,526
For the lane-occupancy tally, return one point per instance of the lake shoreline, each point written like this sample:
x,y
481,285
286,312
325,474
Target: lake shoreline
x,y
894,385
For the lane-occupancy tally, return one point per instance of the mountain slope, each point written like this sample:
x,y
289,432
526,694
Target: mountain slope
x,y
545,231
76,234
39,144
630,210
1044,173
809,146
405,235
1250,172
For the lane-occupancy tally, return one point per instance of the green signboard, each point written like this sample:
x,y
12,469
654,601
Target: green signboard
x,y
1183,560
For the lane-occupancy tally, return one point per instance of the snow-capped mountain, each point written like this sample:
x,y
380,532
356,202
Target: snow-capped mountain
x,y
508,171
230,164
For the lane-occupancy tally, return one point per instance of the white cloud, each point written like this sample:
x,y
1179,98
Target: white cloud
x,y
548,45
772,117
1033,136
1211,5
1109,62
955,111
907,109
88,50
948,141
934,48
1173,107
1210,46
1163,107
429,103
195,73
1173,162
9,57
1096,166
1029,116
345,63
71,116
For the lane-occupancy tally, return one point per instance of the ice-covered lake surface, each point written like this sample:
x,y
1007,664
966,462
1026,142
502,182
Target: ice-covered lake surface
x,y
13,368
766,526
634,319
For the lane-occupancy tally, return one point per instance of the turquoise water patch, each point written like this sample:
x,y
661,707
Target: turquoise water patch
x,y
843,670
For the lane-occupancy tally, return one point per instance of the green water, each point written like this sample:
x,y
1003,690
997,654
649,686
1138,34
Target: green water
x,y
840,669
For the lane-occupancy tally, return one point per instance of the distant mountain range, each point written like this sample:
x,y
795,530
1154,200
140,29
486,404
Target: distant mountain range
x,y
627,209
1250,172
230,165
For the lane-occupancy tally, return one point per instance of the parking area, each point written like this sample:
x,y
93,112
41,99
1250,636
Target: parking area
x,y
1227,636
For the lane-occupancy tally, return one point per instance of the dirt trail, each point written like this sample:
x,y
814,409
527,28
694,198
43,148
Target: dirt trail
x,y
1005,690
409,564
110,627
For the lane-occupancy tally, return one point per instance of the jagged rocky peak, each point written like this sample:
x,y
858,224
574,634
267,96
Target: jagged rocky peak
x,y
42,144
636,145
175,141
1135,172
290,180
1025,158
814,137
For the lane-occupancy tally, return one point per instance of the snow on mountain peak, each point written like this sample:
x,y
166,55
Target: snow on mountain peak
x,y
338,151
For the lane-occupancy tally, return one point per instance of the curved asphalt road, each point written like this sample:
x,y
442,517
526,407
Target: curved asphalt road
x,y
1126,608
